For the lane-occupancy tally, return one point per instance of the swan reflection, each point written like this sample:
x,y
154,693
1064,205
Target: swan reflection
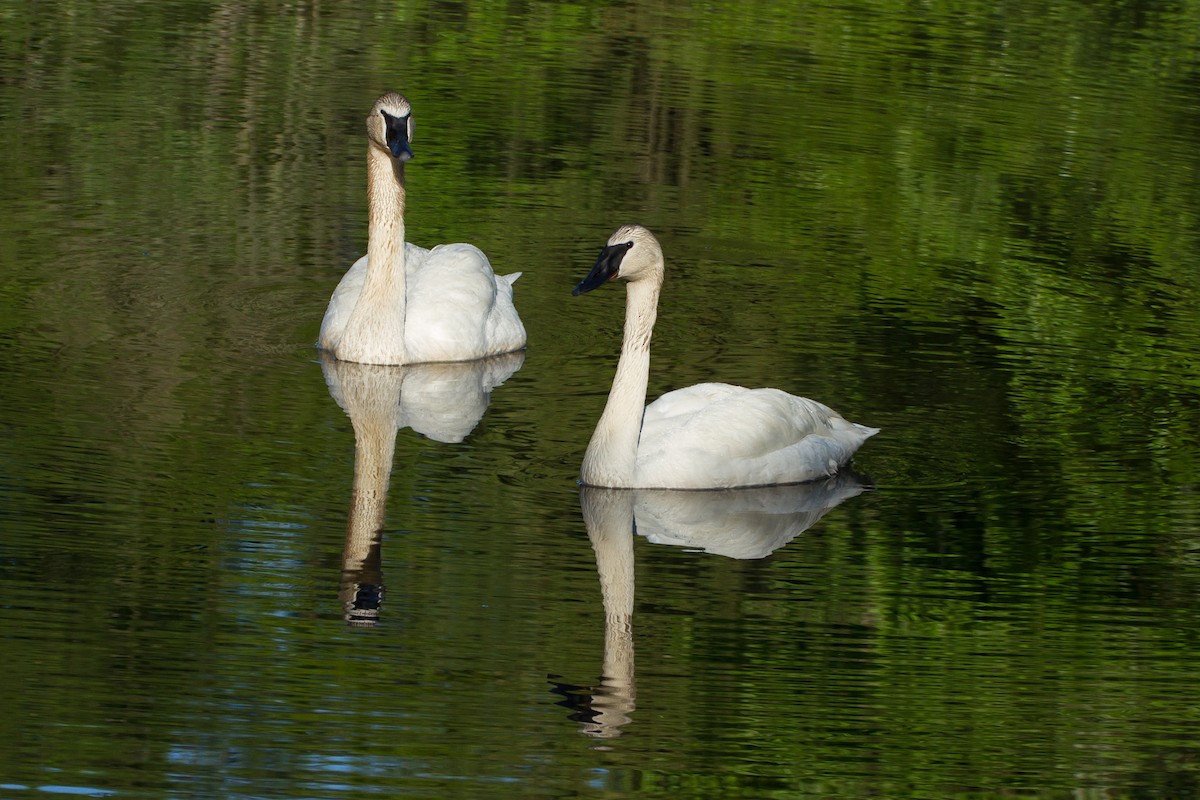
x,y
741,523
443,402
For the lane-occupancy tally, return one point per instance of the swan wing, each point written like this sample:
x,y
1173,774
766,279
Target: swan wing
x,y
721,436
458,308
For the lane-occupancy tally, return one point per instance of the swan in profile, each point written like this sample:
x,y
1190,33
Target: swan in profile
x,y
707,436
403,304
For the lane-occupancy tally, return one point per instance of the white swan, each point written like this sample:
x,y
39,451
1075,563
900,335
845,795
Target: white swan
x,y
708,436
403,304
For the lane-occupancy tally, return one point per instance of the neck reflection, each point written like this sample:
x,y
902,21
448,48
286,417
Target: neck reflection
x,y
735,523
443,402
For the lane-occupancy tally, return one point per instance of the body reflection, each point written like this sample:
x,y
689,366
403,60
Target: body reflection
x,y
443,402
737,523
740,523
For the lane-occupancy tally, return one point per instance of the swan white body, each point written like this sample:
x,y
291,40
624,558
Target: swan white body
x,y
403,304
708,436
456,309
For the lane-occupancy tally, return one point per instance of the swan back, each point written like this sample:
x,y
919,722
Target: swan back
x,y
458,308
715,435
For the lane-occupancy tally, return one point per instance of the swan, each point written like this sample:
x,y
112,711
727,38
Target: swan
x,y
403,304
707,436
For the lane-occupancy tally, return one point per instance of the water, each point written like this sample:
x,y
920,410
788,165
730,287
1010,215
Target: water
x,y
972,227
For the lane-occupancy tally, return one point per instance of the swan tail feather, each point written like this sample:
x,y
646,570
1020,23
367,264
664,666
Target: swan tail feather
x,y
860,432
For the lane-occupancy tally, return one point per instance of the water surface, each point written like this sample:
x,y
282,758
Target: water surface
x,y
975,227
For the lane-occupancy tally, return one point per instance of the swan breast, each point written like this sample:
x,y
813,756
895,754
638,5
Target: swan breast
x,y
456,307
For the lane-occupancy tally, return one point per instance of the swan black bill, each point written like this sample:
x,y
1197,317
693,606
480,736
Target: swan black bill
x,y
397,136
607,267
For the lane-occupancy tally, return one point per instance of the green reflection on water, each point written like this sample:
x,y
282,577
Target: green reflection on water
x,y
975,226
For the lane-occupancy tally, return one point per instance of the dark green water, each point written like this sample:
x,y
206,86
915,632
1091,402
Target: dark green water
x,y
975,226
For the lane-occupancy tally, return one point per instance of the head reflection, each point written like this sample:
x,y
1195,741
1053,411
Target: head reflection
x,y
443,402
736,523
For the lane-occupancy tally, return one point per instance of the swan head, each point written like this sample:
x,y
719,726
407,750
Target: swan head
x,y
632,253
390,125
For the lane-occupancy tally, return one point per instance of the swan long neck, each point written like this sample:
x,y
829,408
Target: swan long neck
x,y
382,301
611,458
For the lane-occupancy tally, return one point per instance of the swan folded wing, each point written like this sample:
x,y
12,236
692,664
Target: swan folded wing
x,y
506,332
719,436
682,403
458,306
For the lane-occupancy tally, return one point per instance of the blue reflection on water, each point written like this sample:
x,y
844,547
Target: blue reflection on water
x,y
79,790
